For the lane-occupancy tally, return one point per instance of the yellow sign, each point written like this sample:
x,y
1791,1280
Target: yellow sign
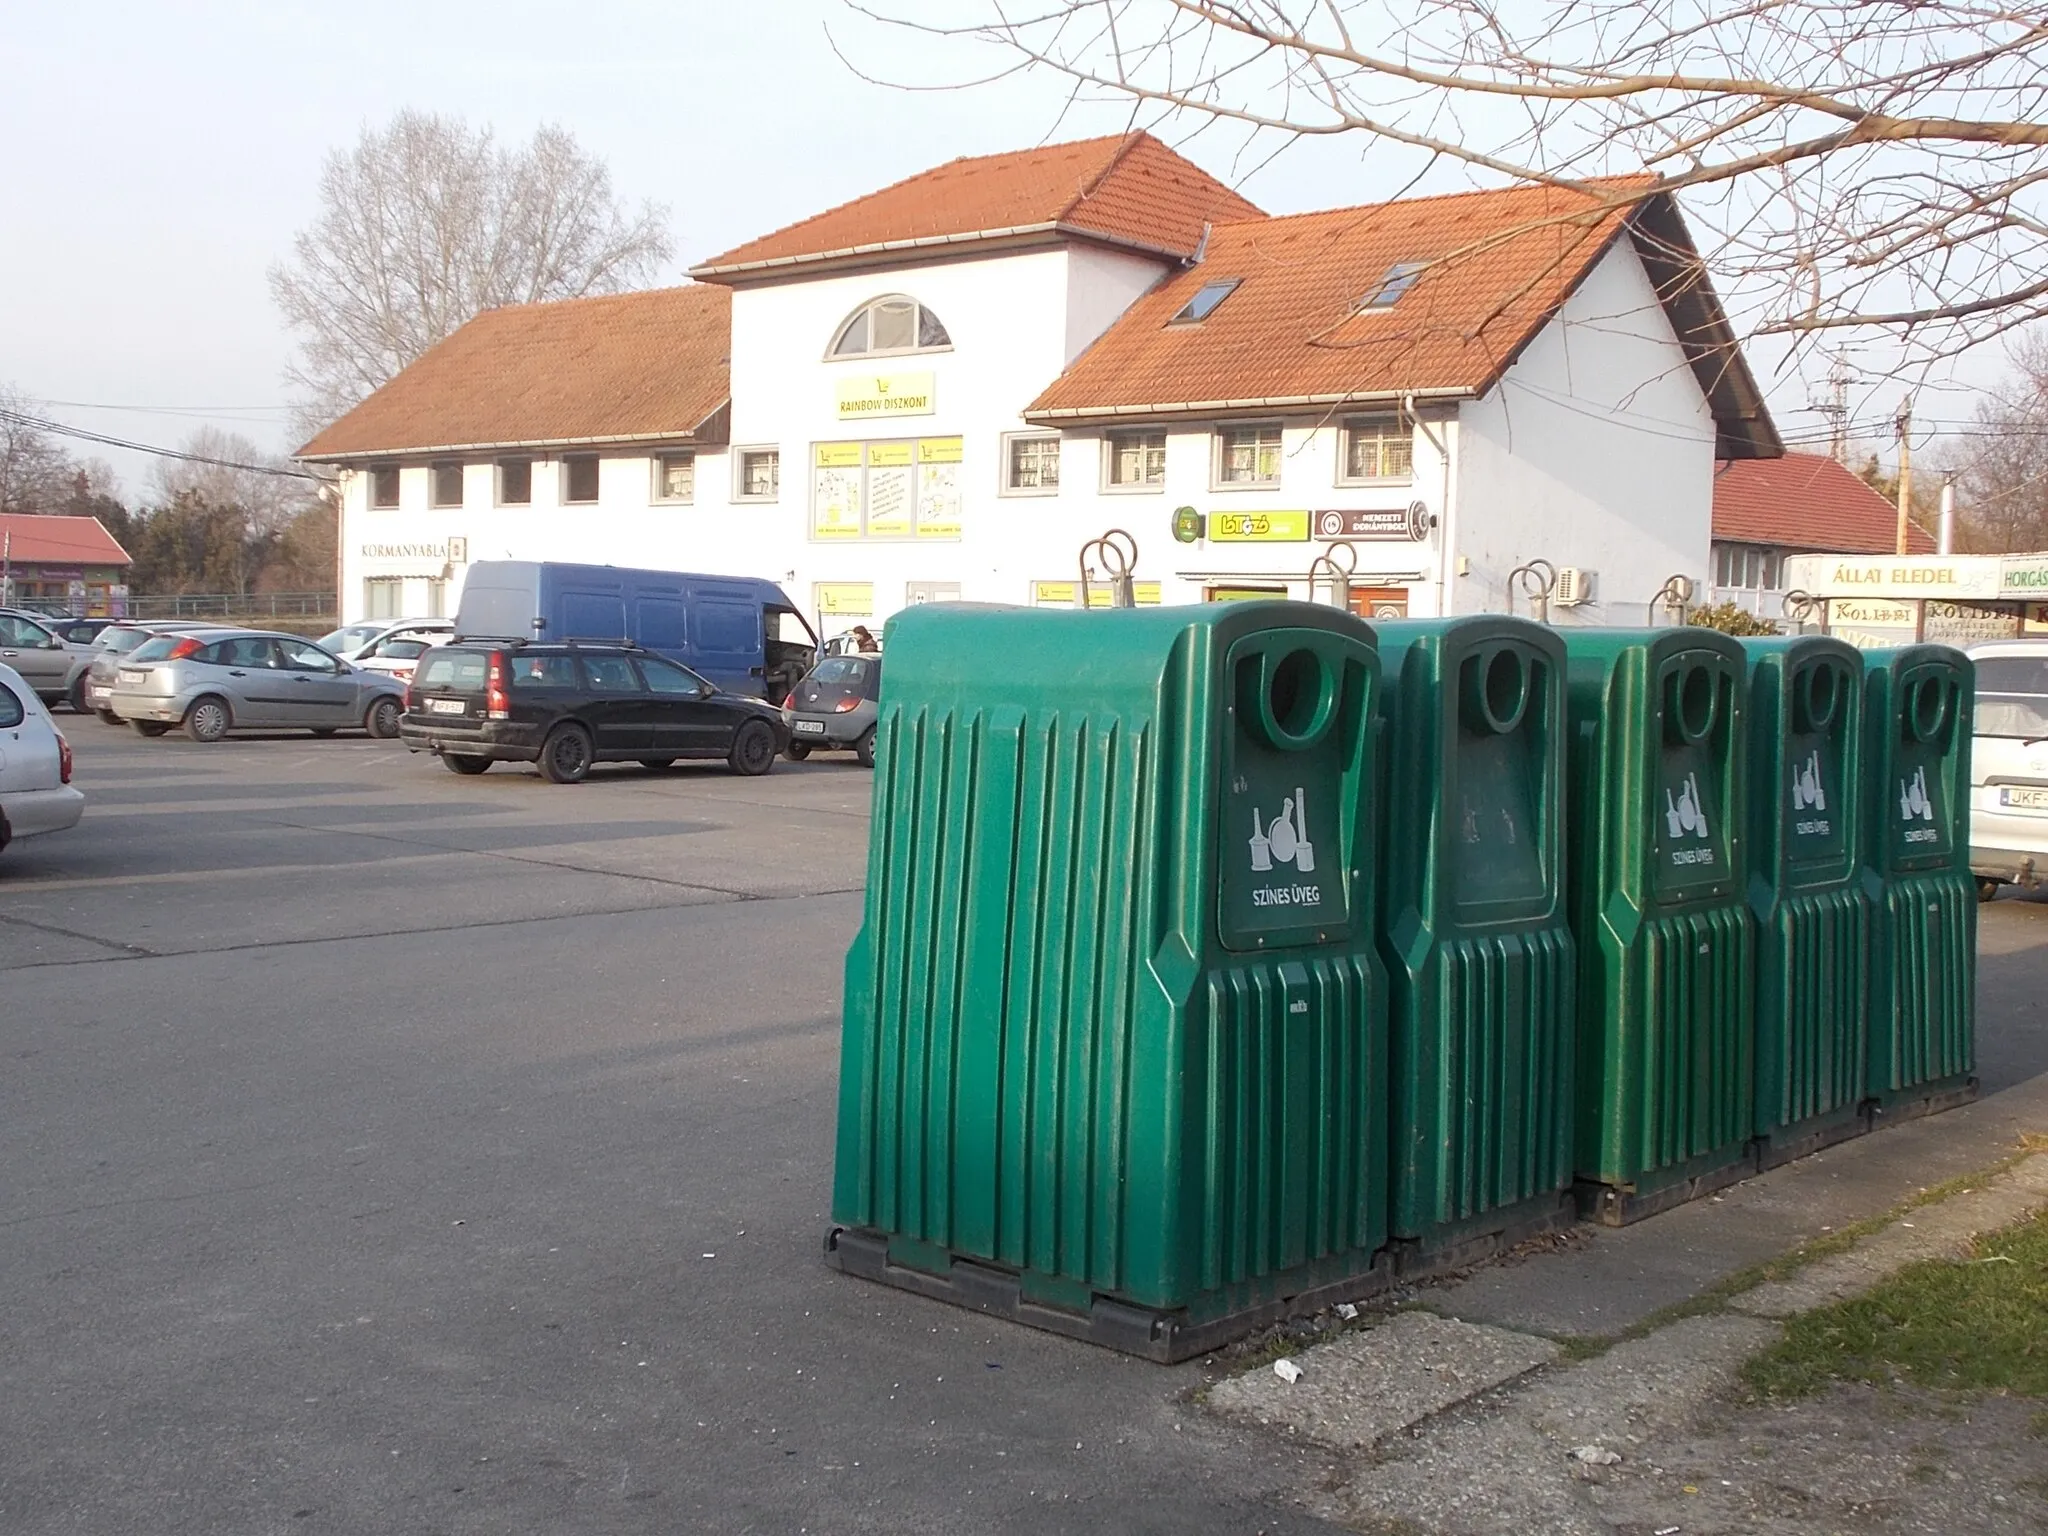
x,y
888,454
839,455
1258,527
938,450
846,599
1243,594
886,394
1060,594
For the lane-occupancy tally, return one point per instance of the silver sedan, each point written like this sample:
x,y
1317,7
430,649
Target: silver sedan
x,y
214,681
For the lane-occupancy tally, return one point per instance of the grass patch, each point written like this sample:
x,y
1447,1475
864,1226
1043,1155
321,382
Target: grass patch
x,y
1980,1324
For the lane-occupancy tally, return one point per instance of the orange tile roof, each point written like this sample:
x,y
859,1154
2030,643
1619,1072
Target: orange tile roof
x,y
46,539
1292,331
1128,189
623,368
1807,501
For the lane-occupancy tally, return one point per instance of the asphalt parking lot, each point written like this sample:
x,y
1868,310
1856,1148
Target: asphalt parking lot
x,y
387,1151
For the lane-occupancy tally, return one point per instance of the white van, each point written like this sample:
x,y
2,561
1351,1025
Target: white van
x,y
2009,765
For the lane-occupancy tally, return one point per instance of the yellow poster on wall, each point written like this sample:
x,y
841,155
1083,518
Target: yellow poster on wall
x,y
846,599
836,491
1060,594
885,394
1258,527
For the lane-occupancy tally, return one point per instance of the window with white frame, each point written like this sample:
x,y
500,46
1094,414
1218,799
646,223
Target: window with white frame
x,y
1134,461
384,486
889,325
1248,455
515,482
383,597
579,477
444,485
759,474
1031,465
675,477
1749,567
1378,448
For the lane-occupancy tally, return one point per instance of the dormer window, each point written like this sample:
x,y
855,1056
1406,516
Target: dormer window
x,y
1206,298
1400,278
886,326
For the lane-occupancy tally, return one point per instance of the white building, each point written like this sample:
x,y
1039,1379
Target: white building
x,y
944,389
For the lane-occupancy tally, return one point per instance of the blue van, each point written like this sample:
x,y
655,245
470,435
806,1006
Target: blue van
x,y
742,633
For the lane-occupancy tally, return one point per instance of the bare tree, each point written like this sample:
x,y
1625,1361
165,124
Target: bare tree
x,y
35,473
224,470
427,222
2003,505
1873,164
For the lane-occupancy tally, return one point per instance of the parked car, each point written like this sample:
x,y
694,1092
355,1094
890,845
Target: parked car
x,y
2009,765
566,707
212,681
835,707
396,652
354,642
37,652
742,633
78,631
95,686
36,795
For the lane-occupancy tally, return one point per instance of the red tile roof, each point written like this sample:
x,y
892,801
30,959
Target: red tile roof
x,y
1129,190
629,367
1807,501
33,539
1292,330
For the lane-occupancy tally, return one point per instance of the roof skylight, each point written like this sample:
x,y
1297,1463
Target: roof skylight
x,y
1400,278
1203,304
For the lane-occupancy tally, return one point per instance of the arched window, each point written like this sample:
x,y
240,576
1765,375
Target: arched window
x,y
894,323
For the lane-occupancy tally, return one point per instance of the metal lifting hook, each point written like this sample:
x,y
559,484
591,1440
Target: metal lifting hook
x,y
1536,580
1338,573
1117,552
1674,595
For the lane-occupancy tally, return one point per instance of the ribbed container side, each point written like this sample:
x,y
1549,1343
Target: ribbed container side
x,y
1500,1009
1929,955
1811,1034
998,1080
1290,1128
1696,1040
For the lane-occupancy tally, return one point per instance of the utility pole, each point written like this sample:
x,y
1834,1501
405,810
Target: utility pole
x,y
1946,541
1837,409
1904,425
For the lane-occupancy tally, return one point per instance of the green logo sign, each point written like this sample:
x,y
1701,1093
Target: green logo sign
x,y
1187,525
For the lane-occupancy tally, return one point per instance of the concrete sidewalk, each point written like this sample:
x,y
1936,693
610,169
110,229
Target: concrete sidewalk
x,y
1590,1385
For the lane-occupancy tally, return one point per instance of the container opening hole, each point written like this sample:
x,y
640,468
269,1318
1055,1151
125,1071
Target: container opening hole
x,y
1929,708
1294,692
1507,689
1823,694
1696,703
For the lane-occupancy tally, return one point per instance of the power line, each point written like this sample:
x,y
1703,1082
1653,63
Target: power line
x,y
59,429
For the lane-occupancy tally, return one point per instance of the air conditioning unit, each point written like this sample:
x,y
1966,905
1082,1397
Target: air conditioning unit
x,y
1574,586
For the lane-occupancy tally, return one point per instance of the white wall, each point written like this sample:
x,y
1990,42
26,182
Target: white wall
x,y
1597,450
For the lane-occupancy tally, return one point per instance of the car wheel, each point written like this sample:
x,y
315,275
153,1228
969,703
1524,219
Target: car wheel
x,y
797,751
381,718
565,755
864,749
1987,889
753,748
455,762
108,717
207,719
76,698
657,763
149,727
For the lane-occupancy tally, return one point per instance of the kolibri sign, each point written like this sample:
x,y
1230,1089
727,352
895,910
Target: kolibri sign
x,y
886,394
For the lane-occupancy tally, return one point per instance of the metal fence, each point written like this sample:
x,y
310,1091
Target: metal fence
x,y
232,605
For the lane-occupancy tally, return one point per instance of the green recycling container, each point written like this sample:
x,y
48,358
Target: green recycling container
x,y
1114,1048
1657,872
1919,702
1474,931
1806,891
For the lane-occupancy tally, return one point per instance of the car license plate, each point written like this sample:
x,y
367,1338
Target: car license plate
x,y
100,690
811,727
447,706
132,677
2022,798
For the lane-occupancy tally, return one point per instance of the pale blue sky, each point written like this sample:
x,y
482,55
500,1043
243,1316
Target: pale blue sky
x,y
161,155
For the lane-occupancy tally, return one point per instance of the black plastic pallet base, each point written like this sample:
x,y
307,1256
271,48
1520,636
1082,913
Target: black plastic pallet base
x,y
1485,1237
1165,1337
1619,1205
1788,1143
1921,1100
